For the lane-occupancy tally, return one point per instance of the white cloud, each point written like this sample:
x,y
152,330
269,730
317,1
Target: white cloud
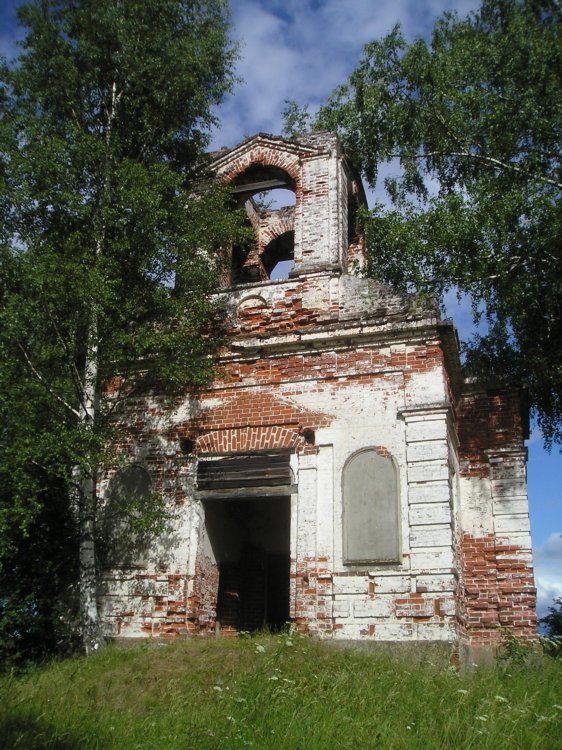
x,y
535,435
303,49
548,572
551,549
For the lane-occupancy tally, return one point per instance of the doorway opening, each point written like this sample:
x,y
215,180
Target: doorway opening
x,y
250,538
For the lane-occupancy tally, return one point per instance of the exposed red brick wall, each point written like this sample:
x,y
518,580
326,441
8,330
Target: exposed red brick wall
x,y
246,439
288,314
233,409
371,361
497,592
202,610
312,590
472,416
237,416
488,420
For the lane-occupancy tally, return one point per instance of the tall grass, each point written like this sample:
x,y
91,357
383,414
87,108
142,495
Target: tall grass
x,y
279,692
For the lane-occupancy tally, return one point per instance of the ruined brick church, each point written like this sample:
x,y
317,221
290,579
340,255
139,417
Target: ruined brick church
x,y
340,473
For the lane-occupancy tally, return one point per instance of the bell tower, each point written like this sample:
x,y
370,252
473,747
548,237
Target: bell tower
x,y
315,232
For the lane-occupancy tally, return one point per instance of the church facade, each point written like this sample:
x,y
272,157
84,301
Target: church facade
x,y
340,473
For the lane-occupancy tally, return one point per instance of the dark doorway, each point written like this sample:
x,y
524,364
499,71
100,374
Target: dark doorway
x,y
250,538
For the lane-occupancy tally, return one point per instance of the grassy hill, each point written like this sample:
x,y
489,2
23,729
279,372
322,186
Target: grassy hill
x,y
280,693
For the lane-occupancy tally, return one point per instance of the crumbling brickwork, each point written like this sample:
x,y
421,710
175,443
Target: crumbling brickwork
x,y
495,549
323,365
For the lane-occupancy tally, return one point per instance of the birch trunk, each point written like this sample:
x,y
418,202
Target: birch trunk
x,y
92,634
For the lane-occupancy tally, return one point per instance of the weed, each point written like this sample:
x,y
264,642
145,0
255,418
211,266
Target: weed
x,y
277,692
514,651
552,645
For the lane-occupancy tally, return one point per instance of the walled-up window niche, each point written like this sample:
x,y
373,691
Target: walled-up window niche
x,y
128,505
371,509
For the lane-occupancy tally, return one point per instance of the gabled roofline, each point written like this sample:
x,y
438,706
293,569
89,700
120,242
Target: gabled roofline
x,y
297,147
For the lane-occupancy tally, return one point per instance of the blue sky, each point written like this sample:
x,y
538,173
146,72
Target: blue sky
x,y
302,49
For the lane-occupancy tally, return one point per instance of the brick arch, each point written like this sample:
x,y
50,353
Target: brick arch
x,y
270,233
267,157
245,439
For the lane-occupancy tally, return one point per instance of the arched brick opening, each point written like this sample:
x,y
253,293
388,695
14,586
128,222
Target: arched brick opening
x,y
272,232
280,250
262,168
248,439
246,496
250,264
263,156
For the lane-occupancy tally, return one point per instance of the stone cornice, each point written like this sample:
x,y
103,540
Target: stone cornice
x,y
335,336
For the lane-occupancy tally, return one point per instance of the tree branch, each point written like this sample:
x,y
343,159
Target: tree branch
x,y
490,160
45,385
74,374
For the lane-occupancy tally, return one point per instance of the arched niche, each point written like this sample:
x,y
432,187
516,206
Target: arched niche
x,y
251,303
124,538
371,511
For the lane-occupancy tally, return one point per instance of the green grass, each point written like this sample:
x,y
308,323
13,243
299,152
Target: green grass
x,y
277,692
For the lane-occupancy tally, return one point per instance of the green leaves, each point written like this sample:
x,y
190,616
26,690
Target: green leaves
x,y
108,110
109,239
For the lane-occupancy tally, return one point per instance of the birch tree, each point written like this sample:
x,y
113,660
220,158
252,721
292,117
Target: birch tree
x,y
105,118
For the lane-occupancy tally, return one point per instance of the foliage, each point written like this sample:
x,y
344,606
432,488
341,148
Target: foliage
x,y
514,651
297,120
553,620
38,604
279,692
552,645
108,239
472,122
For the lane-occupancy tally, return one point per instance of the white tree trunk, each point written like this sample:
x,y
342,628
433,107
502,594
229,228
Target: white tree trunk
x,y
92,634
